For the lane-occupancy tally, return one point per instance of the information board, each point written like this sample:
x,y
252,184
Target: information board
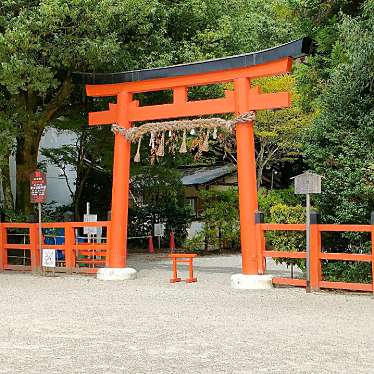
x,y
307,183
90,218
159,229
38,187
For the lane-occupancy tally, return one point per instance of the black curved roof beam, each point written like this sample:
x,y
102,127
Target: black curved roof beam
x,y
295,49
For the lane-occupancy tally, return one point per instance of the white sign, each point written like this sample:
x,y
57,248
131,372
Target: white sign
x,y
159,229
49,258
90,218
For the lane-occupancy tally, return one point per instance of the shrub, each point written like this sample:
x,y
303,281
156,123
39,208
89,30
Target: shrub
x,y
159,198
221,218
291,241
269,198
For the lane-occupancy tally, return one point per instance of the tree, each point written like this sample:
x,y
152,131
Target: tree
x,y
320,20
83,157
279,133
42,42
340,144
158,197
7,135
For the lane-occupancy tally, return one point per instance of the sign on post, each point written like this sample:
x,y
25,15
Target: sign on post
x,y
49,258
305,184
38,187
38,194
90,218
159,229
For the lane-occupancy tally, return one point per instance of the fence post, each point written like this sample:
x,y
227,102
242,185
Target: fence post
x,y
108,243
3,239
260,243
372,249
69,241
34,247
315,250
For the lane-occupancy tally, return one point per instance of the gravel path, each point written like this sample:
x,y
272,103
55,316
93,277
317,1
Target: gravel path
x,y
76,324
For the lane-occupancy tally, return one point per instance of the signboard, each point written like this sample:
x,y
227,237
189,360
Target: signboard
x,y
90,218
38,187
159,229
49,258
307,183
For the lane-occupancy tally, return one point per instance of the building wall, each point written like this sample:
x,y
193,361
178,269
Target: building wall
x,y
57,190
222,184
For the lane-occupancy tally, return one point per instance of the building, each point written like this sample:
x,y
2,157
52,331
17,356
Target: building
x,y
195,179
217,177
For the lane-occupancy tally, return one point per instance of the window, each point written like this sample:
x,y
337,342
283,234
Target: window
x,y
192,202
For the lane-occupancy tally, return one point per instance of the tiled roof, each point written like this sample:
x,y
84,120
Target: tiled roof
x,y
205,174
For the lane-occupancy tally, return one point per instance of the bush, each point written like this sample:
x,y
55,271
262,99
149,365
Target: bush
x,y
221,218
290,241
159,197
269,198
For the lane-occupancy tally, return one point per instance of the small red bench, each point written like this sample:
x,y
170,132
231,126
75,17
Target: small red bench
x,y
182,258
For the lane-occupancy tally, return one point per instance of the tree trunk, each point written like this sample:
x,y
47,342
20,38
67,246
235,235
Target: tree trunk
x,y
6,185
260,171
29,139
260,167
26,159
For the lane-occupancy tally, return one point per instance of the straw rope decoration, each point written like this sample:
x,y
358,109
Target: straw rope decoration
x,y
157,133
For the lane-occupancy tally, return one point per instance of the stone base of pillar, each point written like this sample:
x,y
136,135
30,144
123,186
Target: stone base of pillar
x,y
116,274
251,282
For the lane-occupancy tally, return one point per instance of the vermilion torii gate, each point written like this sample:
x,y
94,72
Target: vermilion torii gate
x,y
240,70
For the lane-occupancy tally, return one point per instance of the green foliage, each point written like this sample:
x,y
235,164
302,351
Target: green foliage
x,y
337,84
158,196
340,144
196,244
339,271
86,156
320,20
283,206
278,134
42,42
221,221
290,241
267,199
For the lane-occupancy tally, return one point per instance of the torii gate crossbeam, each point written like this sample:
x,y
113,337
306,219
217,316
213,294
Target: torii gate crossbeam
x,y
179,78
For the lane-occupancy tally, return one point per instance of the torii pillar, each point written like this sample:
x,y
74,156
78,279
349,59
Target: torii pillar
x,y
237,69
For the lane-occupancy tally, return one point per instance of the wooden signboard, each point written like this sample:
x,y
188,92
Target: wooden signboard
x,y
307,183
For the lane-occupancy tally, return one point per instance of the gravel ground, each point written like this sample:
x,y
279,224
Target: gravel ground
x,y
76,324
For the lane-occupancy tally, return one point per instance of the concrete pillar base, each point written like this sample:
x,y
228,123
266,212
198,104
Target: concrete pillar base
x,y
251,282
116,274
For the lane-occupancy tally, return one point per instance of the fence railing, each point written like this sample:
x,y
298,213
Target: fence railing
x,y
75,251
317,254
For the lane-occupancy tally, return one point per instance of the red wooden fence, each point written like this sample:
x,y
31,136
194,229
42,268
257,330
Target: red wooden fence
x,y
316,254
82,257
19,246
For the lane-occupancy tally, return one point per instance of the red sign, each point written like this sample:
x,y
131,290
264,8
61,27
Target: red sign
x,y
38,187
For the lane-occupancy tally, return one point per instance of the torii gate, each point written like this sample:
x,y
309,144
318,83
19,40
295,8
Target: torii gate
x,y
237,69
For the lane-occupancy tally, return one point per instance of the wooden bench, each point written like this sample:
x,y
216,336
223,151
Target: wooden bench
x,y
182,258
